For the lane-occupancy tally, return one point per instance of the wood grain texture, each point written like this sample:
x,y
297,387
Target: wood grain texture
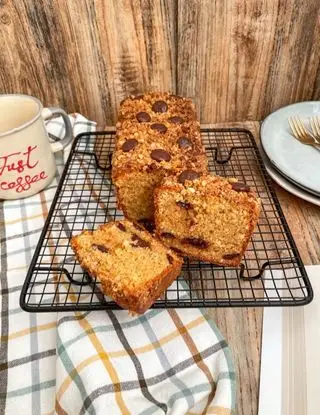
x,y
242,327
238,60
247,58
87,55
304,222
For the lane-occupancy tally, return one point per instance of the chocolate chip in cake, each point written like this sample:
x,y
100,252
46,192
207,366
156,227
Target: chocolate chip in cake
x,y
138,242
160,155
161,128
167,235
129,145
121,227
188,175
178,251
232,255
176,120
137,226
170,259
100,248
148,224
143,117
240,187
196,242
184,143
160,106
184,205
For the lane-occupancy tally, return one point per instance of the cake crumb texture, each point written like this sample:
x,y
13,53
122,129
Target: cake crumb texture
x,y
133,267
206,217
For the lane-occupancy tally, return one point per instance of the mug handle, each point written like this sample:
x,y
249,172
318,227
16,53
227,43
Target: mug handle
x,y
53,112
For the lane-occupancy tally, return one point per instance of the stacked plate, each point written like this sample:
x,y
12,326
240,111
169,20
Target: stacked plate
x,y
291,164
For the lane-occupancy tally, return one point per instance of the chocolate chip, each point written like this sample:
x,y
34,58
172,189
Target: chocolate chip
x,y
138,242
161,128
188,175
129,145
167,235
240,187
121,226
170,259
143,117
100,248
160,155
232,255
160,106
184,205
176,120
148,224
197,242
184,142
139,227
178,251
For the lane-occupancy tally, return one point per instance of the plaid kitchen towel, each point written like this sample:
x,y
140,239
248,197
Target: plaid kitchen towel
x,y
28,341
106,362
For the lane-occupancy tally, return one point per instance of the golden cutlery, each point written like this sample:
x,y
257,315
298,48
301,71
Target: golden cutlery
x,y
315,126
301,133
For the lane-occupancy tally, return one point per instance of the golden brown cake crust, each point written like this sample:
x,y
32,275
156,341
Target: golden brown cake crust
x,y
157,135
209,218
133,267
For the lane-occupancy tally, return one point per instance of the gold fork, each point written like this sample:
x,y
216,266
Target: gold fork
x,y
301,133
315,127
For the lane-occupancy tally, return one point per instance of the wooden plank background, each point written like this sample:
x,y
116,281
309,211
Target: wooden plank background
x,y
238,59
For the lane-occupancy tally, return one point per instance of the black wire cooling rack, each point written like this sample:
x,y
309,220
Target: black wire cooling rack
x,y
271,274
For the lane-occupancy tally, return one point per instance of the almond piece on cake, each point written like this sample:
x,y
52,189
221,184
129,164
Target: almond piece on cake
x,y
134,268
206,217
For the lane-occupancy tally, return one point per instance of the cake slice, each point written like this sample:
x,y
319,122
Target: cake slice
x,y
132,266
206,217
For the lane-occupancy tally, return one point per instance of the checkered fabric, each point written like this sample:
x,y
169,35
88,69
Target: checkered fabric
x,y
105,362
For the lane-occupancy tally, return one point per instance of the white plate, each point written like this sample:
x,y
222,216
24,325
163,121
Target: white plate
x,y
297,161
285,184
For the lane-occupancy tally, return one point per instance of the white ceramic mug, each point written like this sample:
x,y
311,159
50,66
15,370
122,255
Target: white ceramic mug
x,y
27,163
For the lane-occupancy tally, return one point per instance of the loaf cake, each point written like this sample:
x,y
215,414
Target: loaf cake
x,y
132,266
206,217
157,135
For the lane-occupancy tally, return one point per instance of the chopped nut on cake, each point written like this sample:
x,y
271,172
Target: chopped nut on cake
x,y
206,217
133,267
157,135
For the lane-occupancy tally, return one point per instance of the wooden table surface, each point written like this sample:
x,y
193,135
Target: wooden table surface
x,y
242,327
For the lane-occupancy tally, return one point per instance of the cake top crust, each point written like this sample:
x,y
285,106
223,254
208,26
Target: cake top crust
x,y
158,131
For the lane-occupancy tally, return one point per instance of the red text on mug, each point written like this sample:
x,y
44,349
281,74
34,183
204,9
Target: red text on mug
x,y
22,163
